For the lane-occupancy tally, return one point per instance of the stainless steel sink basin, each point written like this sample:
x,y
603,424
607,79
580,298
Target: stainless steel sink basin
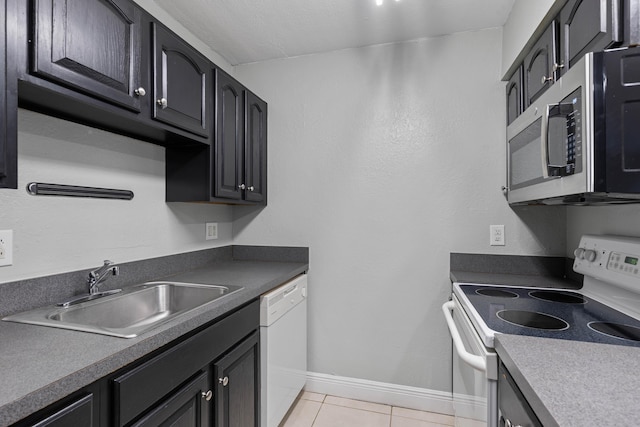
x,y
129,313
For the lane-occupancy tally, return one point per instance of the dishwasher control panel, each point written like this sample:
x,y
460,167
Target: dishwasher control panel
x,y
276,303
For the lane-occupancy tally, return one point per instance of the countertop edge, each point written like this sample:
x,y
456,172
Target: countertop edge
x,y
530,395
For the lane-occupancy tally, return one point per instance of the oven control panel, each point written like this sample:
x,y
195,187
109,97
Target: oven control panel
x,y
613,259
623,263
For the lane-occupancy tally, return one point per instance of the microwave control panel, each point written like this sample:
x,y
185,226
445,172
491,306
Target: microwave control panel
x,y
574,132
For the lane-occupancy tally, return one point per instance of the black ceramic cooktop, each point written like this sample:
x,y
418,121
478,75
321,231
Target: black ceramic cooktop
x,y
552,314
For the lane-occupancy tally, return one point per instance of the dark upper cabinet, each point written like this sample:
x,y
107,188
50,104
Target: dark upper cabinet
x,y
514,96
240,147
181,79
540,65
237,378
93,46
589,26
229,140
255,148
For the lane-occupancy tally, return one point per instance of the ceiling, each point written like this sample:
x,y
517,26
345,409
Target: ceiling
x,y
244,31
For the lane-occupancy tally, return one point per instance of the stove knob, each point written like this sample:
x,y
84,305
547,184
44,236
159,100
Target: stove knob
x,y
589,255
578,253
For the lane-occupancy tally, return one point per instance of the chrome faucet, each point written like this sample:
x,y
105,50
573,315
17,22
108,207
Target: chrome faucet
x,y
95,277
100,274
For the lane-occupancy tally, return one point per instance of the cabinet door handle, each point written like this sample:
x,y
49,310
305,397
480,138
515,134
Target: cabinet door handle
x,y
250,188
224,381
140,91
557,66
162,102
207,395
242,186
546,79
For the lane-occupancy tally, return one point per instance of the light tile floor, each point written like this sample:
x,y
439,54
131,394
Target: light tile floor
x,y
319,410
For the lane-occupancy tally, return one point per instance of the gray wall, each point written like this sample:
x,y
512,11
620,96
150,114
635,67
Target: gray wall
x,y
383,160
617,220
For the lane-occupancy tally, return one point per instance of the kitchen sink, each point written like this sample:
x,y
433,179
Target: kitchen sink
x,y
129,313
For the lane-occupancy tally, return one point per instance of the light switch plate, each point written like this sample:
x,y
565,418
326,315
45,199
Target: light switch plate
x,y
211,232
6,247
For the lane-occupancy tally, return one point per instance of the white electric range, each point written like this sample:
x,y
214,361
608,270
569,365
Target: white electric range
x,y
606,310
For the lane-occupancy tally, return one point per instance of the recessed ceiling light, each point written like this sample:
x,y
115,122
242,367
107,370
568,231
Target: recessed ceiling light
x,y
379,2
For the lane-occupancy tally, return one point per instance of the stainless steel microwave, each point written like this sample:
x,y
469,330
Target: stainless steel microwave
x,y
579,143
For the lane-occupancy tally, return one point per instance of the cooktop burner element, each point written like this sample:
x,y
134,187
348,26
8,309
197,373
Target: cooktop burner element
x,y
498,293
531,319
558,296
625,332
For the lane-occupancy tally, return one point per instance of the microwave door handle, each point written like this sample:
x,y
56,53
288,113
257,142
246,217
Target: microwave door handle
x,y
544,141
561,111
473,360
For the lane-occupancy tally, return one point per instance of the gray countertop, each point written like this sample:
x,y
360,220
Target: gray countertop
x,y
571,383
40,365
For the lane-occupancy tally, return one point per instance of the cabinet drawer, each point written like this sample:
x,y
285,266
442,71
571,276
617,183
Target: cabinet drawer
x,y
79,413
138,389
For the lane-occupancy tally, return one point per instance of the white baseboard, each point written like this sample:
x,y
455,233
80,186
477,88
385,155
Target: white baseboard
x,y
373,391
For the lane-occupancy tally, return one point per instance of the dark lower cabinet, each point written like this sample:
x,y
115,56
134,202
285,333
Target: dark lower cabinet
x,y
237,385
175,386
188,407
513,408
79,413
93,46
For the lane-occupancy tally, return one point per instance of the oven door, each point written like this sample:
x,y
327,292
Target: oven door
x,y
474,371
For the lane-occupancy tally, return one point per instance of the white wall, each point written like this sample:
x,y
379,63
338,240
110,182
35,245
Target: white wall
x,y
58,234
383,160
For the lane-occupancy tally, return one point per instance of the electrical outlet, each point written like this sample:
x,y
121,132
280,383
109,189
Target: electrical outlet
x,y
496,235
6,247
211,231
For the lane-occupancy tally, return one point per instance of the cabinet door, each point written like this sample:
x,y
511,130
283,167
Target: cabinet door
x,y
588,26
8,108
237,377
188,407
93,46
255,148
229,141
181,79
539,65
79,413
514,96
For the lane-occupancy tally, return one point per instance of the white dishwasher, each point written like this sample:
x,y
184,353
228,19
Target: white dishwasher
x,y
283,348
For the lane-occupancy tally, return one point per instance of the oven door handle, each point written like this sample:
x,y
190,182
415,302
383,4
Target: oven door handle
x,y
473,360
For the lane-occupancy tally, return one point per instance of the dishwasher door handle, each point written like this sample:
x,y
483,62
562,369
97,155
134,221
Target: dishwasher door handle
x,y
473,360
